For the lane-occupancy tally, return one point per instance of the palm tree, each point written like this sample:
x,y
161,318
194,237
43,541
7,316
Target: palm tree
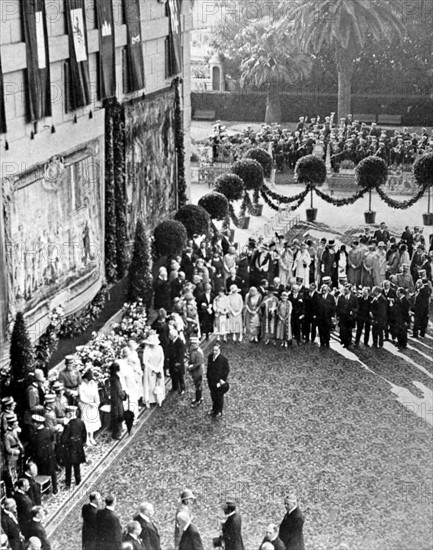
x,y
270,60
346,26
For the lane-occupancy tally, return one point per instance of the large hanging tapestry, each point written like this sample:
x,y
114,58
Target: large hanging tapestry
x,y
150,159
54,232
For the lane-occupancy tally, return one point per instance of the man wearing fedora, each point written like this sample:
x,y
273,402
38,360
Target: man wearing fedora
x,y
292,525
217,373
41,449
187,499
232,527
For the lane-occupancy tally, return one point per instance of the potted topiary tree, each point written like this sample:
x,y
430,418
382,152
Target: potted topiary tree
x,y
372,172
195,219
310,171
140,279
251,173
21,360
169,238
423,173
215,204
230,185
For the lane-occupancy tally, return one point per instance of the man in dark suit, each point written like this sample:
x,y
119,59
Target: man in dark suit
x,y
326,314
232,527
133,531
217,373
176,361
378,315
190,537
34,528
363,320
187,264
382,234
292,525
88,513
421,308
34,492
10,526
347,309
108,528
311,310
390,295
401,317
205,310
23,502
273,538
149,532
41,449
234,279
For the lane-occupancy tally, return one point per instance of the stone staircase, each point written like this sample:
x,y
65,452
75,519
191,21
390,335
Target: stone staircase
x,y
281,223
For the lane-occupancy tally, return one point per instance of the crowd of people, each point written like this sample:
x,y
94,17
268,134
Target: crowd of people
x,y
102,529
279,292
349,140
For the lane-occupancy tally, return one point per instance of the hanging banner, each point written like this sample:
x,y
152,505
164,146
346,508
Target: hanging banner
x,y
38,59
3,127
79,81
107,59
174,38
135,46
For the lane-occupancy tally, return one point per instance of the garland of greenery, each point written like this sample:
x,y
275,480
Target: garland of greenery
x,y
281,198
119,189
76,324
110,197
341,202
179,137
268,200
403,205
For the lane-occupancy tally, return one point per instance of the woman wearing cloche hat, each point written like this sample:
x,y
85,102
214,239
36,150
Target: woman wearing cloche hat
x,y
153,377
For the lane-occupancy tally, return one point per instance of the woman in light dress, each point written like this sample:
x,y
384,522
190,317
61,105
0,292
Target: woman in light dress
x,y
220,307
128,380
88,401
252,314
153,377
235,306
285,264
302,265
284,320
135,362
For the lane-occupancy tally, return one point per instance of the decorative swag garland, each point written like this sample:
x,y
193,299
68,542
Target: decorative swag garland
x,y
403,205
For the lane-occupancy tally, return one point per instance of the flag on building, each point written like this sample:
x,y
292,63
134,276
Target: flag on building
x,y
134,47
107,58
38,59
79,81
3,127
174,39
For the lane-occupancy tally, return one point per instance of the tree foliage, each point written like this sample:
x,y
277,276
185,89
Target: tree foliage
x,y
215,204
169,238
195,219
140,279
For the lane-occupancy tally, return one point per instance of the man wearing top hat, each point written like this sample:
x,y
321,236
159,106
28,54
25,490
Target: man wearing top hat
x,y
232,527
187,499
41,449
71,379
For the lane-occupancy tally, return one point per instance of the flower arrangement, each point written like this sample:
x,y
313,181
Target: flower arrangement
x,y
215,204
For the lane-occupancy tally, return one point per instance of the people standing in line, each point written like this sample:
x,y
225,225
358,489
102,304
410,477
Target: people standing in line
x,y
149,531
108,527
187,499
232,527
176,351
72,442
291,528
88,514
88,401
153,371
217,373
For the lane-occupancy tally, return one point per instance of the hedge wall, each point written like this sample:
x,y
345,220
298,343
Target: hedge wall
x,y
251,106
